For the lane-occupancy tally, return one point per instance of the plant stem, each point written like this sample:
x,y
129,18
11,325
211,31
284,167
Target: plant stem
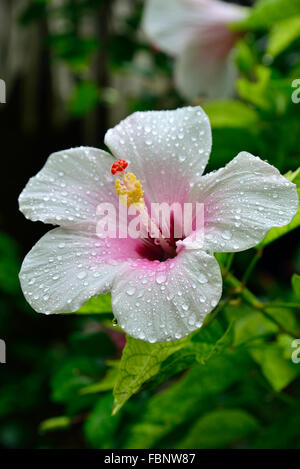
x,y
229,261
241,290
282,305
252,265
250,298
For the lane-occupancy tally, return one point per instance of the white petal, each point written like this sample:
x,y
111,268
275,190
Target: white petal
x,y
69,187
242,202
158,302
168,150
198,72
172,24
67,267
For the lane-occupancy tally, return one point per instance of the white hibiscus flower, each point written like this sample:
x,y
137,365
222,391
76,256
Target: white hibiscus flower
x,y
161,289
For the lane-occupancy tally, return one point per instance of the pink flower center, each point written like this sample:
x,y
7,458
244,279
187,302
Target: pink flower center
x,y
154,245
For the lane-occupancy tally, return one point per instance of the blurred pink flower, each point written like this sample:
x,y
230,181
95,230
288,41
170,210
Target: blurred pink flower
x,y
197,33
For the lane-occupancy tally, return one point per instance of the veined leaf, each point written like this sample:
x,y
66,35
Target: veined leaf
x,y
187,398
140,362
204,344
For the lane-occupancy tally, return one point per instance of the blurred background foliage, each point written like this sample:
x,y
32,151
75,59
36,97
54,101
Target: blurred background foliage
x,y
74,68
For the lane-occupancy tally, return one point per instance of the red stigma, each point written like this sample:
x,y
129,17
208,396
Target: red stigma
x,y
118,166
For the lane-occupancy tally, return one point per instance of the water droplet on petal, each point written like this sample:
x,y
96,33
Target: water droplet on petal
x,y
226,235
161,278
130,291
81,275
202,278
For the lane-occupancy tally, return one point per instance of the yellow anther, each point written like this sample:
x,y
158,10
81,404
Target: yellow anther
x,y
129,190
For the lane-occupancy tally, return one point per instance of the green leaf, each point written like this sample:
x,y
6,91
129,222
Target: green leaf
x,y
55,423
285,342
294,176
285,318
99,305
252,326
206,348
187,398
107,383
257,92
244,57
203,345
140,362
76,51
73,375
267,90
277,370
282,432
266,13
283,34
220,428
230,113
221,257
296,285
85,98
100,428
